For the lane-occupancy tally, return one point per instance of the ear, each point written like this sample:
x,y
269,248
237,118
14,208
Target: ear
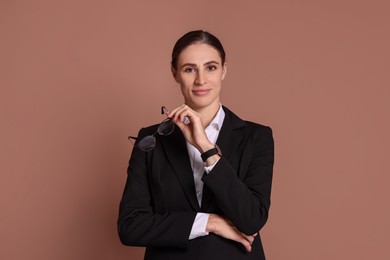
x,y
174,74
224,70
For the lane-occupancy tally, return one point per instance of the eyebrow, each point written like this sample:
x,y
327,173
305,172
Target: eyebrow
x,y
194,65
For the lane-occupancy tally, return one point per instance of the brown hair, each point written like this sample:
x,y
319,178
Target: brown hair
x,y
193,37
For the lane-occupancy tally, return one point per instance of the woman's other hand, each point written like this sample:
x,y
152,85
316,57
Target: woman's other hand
x,y
224,228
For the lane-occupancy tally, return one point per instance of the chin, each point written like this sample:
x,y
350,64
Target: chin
x,y
198,104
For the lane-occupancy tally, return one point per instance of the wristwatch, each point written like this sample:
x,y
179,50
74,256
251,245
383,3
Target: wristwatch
x,y
211,152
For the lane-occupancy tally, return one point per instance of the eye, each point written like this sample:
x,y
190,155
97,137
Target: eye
x,y
211,68
189,69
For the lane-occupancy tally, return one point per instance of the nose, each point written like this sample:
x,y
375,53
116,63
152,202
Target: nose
x,y
200,78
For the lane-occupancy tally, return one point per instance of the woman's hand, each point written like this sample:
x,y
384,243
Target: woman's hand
x,y
191,125
224,228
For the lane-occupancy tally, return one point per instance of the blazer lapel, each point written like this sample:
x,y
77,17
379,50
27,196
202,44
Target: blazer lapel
x,y
175,148
229,138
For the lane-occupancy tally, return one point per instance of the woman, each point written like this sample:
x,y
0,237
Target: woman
x,y
202,191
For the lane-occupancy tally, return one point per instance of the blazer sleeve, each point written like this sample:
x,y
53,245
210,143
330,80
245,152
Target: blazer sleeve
x,y
243,194
138,223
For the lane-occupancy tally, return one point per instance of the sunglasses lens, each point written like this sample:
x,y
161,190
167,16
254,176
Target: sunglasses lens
x,y
147,143
166,127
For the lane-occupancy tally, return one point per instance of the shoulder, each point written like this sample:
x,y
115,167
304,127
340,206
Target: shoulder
x,y
258,133
237,123
256,127
148,130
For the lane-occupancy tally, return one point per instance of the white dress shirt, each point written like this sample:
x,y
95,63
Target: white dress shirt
x,y
199,168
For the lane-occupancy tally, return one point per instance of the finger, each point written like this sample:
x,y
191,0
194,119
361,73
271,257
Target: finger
x,y
180,113
186,115
229,222
250,239
182,125
246,244
244,239
241,238
172,113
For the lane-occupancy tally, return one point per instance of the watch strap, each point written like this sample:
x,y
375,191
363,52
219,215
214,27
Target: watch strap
x,y
210,153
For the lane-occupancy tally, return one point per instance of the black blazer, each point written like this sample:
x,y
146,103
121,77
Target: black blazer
x,y
159,203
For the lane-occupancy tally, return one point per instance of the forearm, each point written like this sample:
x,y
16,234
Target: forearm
x,y
239,204
139,228
243,193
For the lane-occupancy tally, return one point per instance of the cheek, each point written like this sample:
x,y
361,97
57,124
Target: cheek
x,y
184,88
186,82
218,79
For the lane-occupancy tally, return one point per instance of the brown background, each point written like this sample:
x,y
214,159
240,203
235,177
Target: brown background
x,y
77,77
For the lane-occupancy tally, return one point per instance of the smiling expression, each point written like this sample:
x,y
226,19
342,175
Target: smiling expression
x,y
200,73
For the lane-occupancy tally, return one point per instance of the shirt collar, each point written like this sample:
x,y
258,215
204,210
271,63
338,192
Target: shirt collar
x,y
217,121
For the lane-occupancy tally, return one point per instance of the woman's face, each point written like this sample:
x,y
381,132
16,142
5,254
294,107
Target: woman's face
x,y
200,73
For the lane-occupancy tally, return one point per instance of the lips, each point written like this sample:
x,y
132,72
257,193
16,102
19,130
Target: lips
x,y
201,92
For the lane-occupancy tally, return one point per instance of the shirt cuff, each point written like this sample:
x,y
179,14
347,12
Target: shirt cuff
x,y
208,169
199,227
